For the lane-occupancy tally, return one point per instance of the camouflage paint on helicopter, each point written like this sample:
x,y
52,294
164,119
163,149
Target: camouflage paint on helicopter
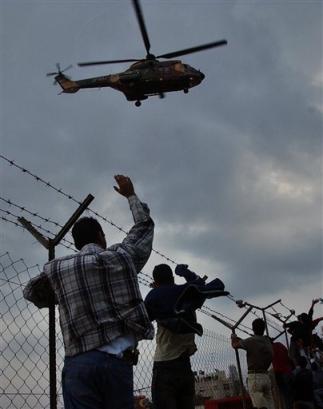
x,y
146,77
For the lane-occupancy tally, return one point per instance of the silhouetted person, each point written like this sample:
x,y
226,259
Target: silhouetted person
x,y
102,314
173,384
259,357
303,385
301,331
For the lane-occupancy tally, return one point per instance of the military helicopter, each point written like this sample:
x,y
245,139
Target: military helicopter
x,y
145,77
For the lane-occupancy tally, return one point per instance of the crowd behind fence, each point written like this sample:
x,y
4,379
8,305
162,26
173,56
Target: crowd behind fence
x,y
24,367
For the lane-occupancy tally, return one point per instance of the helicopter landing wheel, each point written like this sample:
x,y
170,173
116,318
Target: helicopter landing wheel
x,y
137,103
185,91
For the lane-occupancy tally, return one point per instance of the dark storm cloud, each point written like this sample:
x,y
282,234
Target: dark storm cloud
x,y
231,171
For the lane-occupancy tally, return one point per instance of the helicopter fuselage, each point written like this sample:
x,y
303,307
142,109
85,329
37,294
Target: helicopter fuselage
x,y
141,80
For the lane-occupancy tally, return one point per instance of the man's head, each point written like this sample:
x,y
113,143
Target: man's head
x,y
303,318
162,275
88,230
258,326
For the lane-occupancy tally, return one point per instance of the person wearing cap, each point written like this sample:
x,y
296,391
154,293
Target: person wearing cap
x,y
173,307
259,358
102,313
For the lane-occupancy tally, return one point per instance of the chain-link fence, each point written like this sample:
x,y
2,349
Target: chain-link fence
x,y
24,369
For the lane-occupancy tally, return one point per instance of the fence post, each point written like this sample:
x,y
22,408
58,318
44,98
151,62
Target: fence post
x,y
50,245
233,328
52,345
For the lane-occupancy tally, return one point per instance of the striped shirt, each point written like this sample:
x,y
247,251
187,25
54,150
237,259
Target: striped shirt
x,y
97,290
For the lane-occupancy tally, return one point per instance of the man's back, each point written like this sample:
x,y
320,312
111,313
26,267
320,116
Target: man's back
x,y
155,300
95,304
97,288
102,314
259,352
170,345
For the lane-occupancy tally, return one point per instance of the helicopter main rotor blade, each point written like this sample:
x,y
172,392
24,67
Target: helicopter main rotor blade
x,y
193,49
85,64
142,24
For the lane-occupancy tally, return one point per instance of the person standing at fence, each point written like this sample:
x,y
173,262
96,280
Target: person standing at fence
x,y
173,383
259,358
174,308
102,314
302,332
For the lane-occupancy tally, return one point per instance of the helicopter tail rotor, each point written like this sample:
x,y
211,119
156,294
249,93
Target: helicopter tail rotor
x,y
67,85
59,71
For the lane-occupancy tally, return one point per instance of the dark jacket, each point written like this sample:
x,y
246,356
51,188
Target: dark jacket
x,y
173,306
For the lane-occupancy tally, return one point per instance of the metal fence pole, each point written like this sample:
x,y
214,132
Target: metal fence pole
x,y
50,245
52,346
233,328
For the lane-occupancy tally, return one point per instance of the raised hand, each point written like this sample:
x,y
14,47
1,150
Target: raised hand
x,y
125,187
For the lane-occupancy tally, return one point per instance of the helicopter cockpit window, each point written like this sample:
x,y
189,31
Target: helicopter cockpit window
x,y
179,67
144,64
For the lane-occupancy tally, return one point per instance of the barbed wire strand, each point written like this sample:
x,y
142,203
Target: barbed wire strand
x,y
142,280
70,197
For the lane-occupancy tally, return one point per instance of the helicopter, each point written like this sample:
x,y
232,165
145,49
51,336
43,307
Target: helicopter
x,y
145,77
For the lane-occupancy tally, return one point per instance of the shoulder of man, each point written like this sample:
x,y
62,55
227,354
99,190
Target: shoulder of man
x,y
247,341
51,263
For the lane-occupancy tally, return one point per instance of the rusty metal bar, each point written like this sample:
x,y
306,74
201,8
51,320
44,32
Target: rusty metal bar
x,y
73,219
50,245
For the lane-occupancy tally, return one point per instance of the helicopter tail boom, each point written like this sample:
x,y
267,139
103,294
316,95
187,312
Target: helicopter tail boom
x,y
67,85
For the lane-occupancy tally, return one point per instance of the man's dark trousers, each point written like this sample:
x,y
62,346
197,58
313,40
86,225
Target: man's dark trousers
x,y
173,385
97,380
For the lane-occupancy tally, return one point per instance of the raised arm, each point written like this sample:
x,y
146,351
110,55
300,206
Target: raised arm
x,y
138,242
316,321
311,310
182,271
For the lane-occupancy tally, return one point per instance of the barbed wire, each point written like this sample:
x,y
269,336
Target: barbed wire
x,y
142,280
146,280
213,315
35,214
70,197
287,308
25,370
267,320
69,244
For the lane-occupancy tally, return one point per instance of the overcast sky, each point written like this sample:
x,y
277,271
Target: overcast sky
x,y
232,171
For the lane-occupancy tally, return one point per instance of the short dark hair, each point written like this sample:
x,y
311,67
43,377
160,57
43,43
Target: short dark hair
x,y
85,231
258,326
163,274
303,317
